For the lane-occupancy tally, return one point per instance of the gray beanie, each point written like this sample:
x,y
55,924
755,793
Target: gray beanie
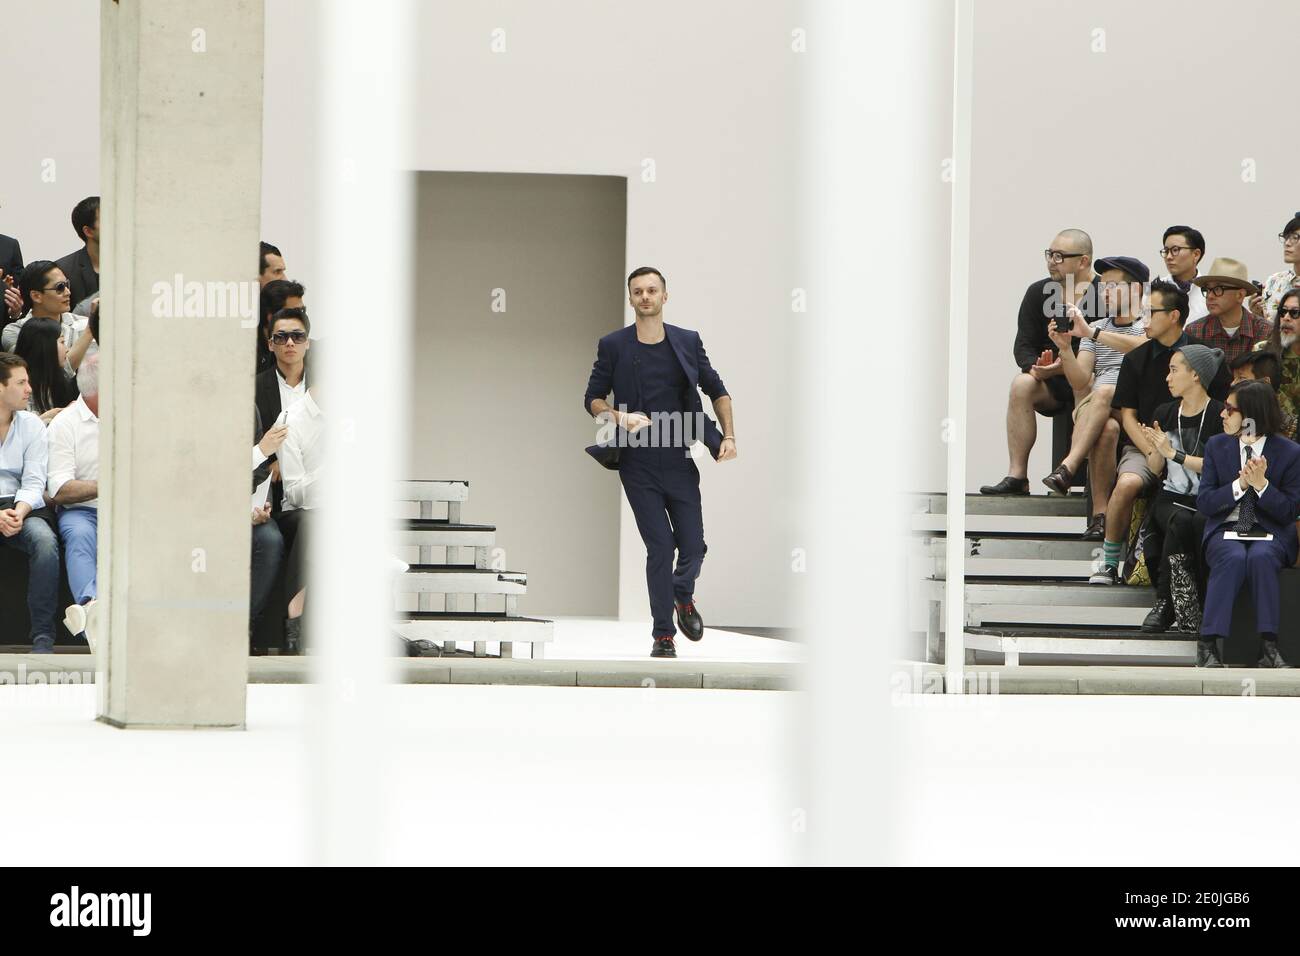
x,y
1204,361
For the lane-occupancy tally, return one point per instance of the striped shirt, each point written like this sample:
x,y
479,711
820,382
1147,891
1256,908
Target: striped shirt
x,y
1106,360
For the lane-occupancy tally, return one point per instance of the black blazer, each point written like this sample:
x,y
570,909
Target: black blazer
x,y
81,274
11,257
264,469
616,368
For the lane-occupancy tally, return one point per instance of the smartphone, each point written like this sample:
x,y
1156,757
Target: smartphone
x,y
283,419
1063,324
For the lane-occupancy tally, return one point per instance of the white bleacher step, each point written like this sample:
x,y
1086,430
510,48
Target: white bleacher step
x,y
1034,505
432,490
441,627
438,532
1063,603
458,579
1042,556
1079,642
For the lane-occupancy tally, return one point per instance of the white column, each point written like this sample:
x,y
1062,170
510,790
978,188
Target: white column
x,y
181,172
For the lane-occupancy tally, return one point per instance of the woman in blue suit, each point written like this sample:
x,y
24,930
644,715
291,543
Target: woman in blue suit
x,y
1250,489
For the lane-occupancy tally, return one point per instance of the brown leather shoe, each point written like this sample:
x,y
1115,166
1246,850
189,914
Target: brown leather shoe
x,y
1059,481
1096,529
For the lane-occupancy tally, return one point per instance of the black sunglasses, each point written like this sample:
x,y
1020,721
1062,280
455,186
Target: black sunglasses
x,y
280,338
58,287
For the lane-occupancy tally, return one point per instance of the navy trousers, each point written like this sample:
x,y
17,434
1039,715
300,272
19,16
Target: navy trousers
x,y
663,487
1231,563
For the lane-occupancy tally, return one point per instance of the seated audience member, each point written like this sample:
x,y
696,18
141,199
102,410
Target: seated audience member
x,y
73,484
1182,250
41,345
1264,365
1177,440
1284,343
276,295
280,387
268,541
1229,326
1250,485
11,270
82,267
1265,303
24,518
1142,387
46,294
1040,388
1092,374
270,264
300,456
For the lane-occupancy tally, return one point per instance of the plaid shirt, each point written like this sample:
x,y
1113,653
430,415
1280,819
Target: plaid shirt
x,y
1252,329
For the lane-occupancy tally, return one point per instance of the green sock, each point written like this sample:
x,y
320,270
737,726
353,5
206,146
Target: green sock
x,y
1110,552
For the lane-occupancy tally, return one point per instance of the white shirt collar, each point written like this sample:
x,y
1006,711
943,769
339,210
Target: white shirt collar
x,y
1257,449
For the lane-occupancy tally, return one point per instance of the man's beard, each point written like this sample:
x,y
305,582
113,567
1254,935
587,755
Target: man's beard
x,y
1288,340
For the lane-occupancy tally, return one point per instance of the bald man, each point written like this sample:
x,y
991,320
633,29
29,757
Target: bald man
x,y
1040,387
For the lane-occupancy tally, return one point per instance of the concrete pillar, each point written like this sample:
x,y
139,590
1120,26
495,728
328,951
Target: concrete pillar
x,y
181,173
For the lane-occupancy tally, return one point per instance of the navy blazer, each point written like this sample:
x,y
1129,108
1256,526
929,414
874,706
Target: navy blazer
x,y
617,369
1276,510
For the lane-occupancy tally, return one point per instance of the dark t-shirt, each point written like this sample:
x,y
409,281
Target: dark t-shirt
x,y
1041,303
1142,384
661,377
1188,435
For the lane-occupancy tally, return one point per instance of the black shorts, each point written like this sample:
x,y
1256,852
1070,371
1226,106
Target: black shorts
x,y
1059,388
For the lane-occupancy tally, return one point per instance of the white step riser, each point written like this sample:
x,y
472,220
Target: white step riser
x,y
440,538
1014,568
1018,524
453,582
433,491
1057,549
1083,647
981,615
515,632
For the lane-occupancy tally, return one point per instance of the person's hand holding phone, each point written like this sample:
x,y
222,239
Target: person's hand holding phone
x,y
272,439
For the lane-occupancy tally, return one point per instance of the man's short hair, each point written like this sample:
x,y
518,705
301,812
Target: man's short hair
x,y
647,271
83,215
1264,364
93,322
266,250
277,292
88,376
1193,236
1172,297
9,362
1080,239
298,315
33,279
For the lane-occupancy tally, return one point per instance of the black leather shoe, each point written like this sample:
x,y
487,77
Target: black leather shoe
x,y
1160,618
1270,656
663,647
1059,481
1007,486
1207,653
1096,529
689,621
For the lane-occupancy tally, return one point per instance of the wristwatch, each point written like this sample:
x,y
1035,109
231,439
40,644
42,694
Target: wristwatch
x,y
1096,331
1179,457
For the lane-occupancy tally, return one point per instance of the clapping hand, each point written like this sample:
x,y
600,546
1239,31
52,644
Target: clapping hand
x,y
1253,474
1158,440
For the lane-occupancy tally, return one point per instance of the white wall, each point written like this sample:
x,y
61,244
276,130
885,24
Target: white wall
x,y
1202,87
50,159
710,92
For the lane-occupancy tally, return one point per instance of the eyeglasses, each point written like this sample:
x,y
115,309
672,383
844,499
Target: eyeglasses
x,y
1231,409
1168,251
1294,313
58,287
1154,311
1051,255
1288,239
297,336
1221,289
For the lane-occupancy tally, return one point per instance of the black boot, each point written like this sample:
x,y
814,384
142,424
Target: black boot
x,y
1207,653
1007,486
293,635
1270,656
1160,617
1185,598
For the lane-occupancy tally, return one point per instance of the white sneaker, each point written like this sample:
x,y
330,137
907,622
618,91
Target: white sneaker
x,y
80,619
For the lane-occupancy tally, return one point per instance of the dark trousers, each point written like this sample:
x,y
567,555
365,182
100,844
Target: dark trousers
x,y
663,487
268,554
1231,563
293,526
1181,532
39,541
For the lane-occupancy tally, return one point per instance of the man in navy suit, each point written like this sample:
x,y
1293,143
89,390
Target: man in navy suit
x,y
656,372
1250,487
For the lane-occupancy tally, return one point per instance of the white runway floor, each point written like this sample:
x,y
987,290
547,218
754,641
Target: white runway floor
x,y
595,639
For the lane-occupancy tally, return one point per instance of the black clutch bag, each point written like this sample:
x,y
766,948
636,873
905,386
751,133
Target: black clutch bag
x,y
606,455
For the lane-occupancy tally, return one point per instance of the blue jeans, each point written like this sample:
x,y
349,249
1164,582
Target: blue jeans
x,y
268,554
79,527
38,541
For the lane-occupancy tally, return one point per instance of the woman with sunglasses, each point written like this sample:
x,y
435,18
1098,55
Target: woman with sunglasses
x,y
40,344
1249,493
47,294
